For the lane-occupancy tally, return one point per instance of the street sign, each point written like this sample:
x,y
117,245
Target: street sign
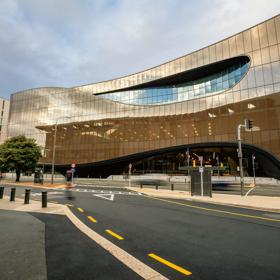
x,y
201,169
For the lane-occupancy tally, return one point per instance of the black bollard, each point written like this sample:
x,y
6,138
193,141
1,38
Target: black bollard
x,y
172,187
141,186
27,196
1,192
44,199
156,187
13,194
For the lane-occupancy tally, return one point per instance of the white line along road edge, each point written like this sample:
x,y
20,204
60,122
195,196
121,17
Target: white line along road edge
x,y
137,266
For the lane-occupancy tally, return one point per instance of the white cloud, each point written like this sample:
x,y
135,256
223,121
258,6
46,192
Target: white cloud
x,y
72,42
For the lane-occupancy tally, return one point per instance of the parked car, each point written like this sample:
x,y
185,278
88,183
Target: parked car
x,y
151,179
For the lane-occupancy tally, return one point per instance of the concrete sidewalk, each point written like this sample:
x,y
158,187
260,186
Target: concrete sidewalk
x,y
30,184
258,202
22,246
34,206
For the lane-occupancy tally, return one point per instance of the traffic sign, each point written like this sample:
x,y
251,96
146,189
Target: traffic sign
x,y
201,169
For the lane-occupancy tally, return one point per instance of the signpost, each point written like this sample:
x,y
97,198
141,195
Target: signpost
x,y
129,174
201,170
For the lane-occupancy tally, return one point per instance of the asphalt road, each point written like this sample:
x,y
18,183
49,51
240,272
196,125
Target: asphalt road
x,y
210,241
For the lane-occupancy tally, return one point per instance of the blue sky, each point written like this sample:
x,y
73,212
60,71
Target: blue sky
x,y
73,42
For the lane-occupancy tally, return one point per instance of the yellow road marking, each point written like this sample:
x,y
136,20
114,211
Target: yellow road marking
x,y
92,219
218,211
114,234
170,264
81,210
69,205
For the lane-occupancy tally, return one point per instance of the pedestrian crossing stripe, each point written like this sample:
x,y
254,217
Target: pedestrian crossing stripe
x,y
89,191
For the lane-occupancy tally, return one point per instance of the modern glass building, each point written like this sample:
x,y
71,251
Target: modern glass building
x,y
163,118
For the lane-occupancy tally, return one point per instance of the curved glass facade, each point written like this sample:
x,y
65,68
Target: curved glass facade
x,y
202,87
199,98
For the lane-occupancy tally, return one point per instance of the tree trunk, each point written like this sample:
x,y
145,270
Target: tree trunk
x,y
17,175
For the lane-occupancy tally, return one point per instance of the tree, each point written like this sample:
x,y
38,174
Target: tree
x,y
20,154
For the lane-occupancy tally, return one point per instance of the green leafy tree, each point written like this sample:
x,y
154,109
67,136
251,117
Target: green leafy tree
x,y
20,154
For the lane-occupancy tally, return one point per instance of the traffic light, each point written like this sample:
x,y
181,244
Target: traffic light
x,y
248,124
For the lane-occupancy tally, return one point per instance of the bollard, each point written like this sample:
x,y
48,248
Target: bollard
x,y
44,199
172,187
27,196
141,186
156,187
13,194
1,192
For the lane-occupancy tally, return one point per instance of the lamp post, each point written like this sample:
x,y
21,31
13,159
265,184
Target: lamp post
x,y
54,145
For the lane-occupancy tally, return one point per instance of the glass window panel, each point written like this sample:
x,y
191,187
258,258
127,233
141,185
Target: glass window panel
x,y
239,43
251,78
265,55
205,52
255,38
212,51
272,39
247,41
232,46
219,51
267,74
194,60
274,53
259,76
200,58
275,67
225,49
263,35
277,26
257,58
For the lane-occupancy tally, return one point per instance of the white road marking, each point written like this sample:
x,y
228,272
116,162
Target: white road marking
x,y
137,266
94,192
105,196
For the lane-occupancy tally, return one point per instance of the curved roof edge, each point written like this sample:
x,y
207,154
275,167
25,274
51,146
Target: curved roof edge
x,y
135,73
147,69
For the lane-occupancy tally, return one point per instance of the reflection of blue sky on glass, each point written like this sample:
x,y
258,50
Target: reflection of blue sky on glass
x,y
202,87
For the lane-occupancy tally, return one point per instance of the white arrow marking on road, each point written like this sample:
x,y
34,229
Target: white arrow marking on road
x,y
105,196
